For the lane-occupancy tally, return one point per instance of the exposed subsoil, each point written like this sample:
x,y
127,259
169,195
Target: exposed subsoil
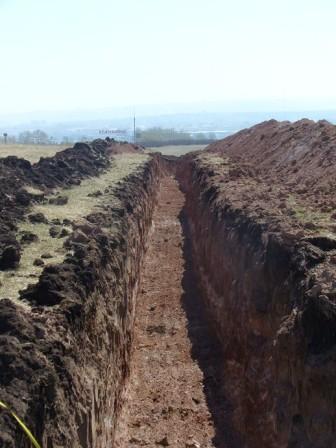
x,y
173,397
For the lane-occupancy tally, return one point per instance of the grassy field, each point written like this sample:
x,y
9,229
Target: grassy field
x,y
177,150
80,204
33,153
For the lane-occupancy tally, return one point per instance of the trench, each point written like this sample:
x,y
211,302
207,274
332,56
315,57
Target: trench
x,y
175,392
212,337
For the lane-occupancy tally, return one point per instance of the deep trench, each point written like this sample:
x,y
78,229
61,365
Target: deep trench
x,y
175,393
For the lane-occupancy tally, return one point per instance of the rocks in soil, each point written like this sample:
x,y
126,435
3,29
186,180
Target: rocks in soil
x,y
38,262
163,442
64,233
159,329
95,194
58,232
59,200
56,222
9,256
23,198
46,255
28,237
37,218
79,237
55,231
192,444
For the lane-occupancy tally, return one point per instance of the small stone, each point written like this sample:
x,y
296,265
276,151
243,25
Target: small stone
x,y
310,226
37,218
54,231
46,255
9,257
38,262
64,233
28,237
59,200
95,194
163,442
192,444
22,198
56,222
315,291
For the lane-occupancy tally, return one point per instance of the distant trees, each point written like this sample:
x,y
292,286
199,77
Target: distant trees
x,y
157,136
37,137
161,135
66,140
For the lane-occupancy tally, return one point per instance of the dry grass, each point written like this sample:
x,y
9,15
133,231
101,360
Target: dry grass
x,y
33,153
79,205
323,222
176,150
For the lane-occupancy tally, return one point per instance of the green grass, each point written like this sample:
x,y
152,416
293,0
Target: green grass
x,y
176,150
22,426
78,206
306,214
33,153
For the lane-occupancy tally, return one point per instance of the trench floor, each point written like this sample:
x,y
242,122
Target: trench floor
x,y
173,394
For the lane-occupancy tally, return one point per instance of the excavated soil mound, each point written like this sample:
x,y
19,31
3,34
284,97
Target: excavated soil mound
x,y
66,168
64,343
300,157
262,212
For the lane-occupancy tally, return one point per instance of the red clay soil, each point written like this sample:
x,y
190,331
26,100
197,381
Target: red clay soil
x,y
282,175
173,397
287,158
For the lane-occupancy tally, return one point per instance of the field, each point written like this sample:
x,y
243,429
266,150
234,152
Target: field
x,y
33,153
176,150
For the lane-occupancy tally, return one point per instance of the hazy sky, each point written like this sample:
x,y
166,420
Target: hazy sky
x,y
67,54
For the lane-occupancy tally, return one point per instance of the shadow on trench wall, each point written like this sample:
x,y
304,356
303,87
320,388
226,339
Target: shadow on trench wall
x,y
206,350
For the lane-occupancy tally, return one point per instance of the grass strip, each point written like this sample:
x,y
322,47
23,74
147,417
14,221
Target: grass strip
x,y
22,425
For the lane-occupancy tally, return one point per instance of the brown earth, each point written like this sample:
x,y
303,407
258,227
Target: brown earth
x,y
235,337
261,211
65,168
173,397
64,355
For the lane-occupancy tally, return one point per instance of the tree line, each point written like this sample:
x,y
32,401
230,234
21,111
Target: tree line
x,y
157,136
36,137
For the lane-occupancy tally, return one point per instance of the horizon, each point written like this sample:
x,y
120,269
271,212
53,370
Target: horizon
x,y
163,110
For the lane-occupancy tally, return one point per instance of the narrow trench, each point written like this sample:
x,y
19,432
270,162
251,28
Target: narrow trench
x,y
174,396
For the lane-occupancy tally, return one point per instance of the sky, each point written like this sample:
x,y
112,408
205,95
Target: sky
x,y
80,54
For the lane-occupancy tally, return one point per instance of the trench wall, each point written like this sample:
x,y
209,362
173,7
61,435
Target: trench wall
x,y
65,357
277,335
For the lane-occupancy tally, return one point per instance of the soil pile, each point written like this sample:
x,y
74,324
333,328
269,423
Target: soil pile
x,y
300,157
261,206
66,168
64,350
